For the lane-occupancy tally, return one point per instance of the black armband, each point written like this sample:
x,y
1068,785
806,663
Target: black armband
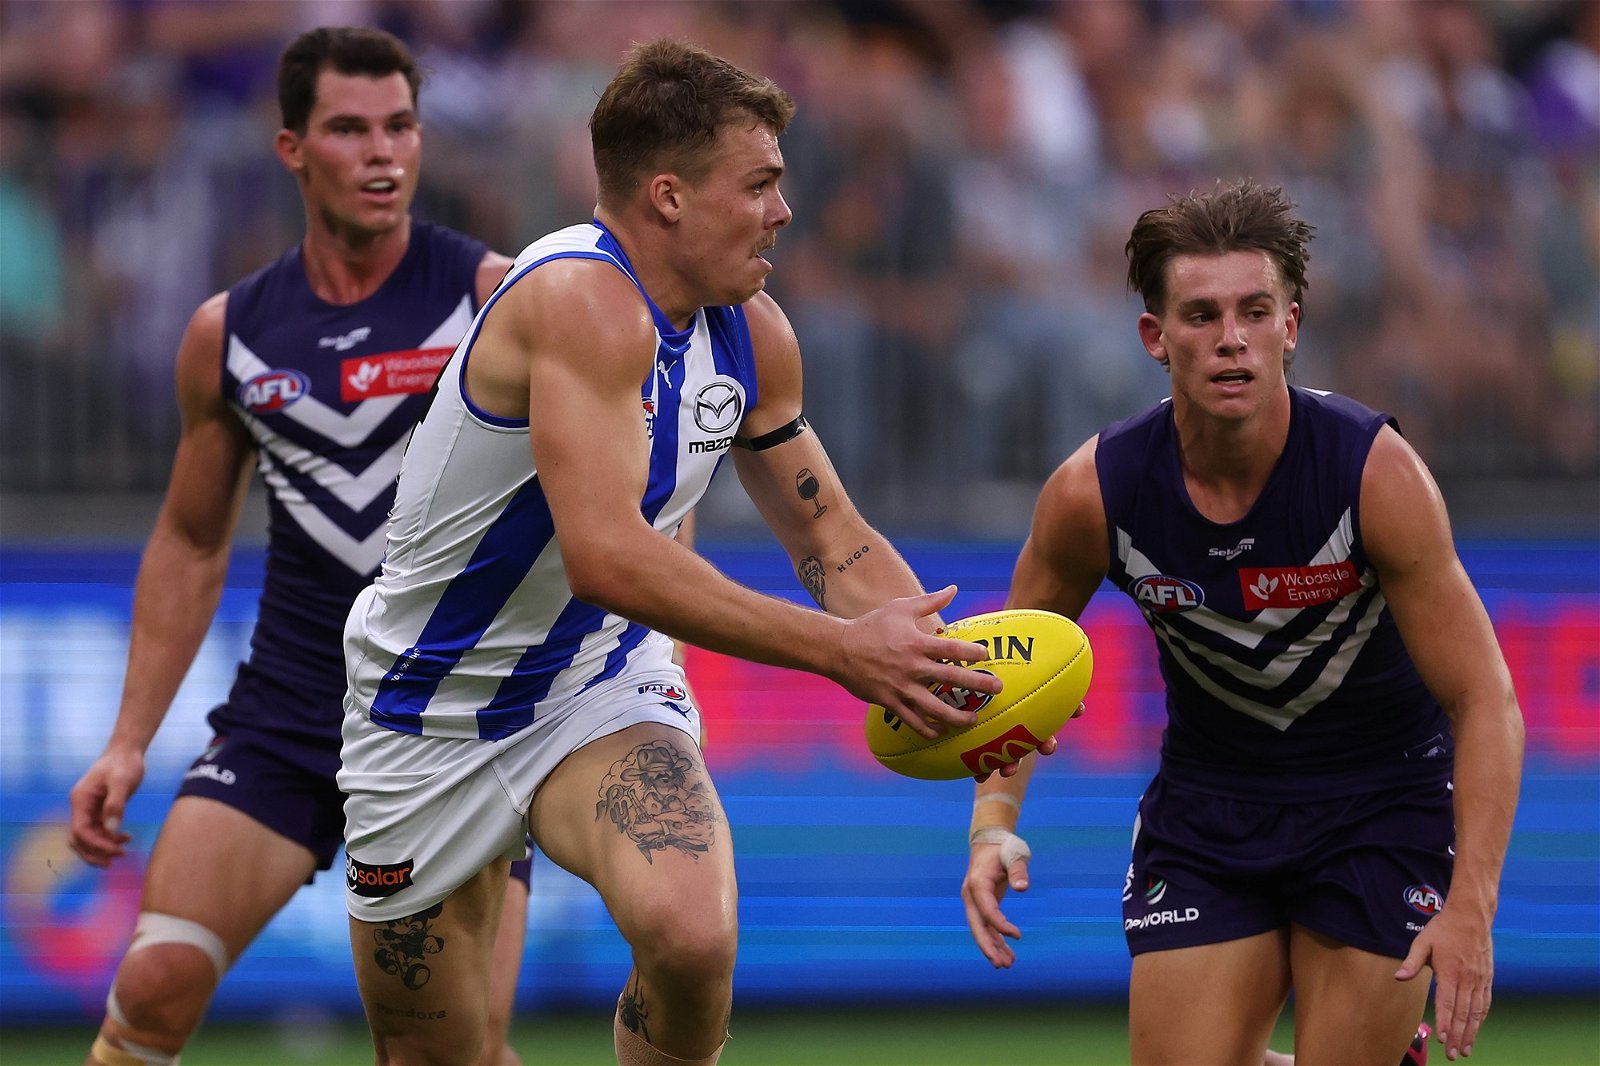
x,y
786,432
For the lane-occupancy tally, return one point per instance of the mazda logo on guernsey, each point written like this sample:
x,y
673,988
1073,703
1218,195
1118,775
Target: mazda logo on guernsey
x,y
717,407
1161,594
272,390
376,880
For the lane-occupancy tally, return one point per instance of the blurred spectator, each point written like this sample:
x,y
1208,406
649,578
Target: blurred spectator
x,y
959,170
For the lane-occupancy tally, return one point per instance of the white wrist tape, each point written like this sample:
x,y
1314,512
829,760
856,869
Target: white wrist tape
x,y
1012,847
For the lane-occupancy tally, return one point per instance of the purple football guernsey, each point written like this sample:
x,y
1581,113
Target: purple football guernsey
x,y
1286,676
330,395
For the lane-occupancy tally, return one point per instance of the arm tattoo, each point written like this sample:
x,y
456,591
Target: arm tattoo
x,y
814,579
658,800
404,942
807,485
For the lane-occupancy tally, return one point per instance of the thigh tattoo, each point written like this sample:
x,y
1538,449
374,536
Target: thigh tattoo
x,y
403,944
657,799
635,1016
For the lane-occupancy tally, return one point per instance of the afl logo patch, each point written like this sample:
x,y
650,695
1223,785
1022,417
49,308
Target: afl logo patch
x,y
962,699
1424,899
1161,594
717,407
272,391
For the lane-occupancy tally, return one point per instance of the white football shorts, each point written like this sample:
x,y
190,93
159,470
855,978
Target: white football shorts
x,y
425,814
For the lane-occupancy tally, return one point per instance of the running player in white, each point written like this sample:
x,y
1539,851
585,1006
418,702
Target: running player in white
x,y
510,669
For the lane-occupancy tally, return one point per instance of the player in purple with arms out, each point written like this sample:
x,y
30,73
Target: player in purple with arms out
x,y
317,367
1343,751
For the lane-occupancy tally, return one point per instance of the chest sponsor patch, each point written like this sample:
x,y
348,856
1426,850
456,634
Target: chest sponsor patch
x,y
391,373
1297,586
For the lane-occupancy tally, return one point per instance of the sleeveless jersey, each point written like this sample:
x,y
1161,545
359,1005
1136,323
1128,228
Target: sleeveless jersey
x,y
471,625
330,395
1286,676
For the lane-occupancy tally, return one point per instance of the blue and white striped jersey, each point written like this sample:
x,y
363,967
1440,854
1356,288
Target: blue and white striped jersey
x,y
471,625
1286,676
330,394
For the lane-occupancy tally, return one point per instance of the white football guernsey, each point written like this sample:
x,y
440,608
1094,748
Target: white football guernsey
x,y
470,627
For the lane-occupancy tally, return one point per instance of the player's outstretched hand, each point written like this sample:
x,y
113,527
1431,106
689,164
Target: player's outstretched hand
x,y
892,660
1459,947
99,800
991,869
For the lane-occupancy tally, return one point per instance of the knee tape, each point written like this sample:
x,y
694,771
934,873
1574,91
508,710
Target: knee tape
x,y
154,929
106,1053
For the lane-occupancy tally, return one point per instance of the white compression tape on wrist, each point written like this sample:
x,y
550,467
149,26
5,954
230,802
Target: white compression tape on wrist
x,y
1012,847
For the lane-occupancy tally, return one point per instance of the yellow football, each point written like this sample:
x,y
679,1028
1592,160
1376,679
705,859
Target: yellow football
x,y
1045,663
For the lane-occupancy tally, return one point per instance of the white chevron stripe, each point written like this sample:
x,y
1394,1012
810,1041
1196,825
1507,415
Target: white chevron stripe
x,y
355,492
1281,718
361,556
347,430
1193,657
1249,634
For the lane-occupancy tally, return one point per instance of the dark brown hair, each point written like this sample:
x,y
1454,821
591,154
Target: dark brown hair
x,y
665,106
346,50
1243,216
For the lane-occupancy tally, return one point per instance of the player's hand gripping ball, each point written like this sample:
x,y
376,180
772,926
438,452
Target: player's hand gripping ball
x,y
1045,661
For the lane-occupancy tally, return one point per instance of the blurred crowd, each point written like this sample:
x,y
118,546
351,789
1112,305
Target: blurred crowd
x,y
963,175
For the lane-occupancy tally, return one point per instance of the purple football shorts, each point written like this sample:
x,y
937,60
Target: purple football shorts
x,y
279,781
1367,871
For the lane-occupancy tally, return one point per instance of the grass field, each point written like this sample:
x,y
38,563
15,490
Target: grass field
x,y
1521,1032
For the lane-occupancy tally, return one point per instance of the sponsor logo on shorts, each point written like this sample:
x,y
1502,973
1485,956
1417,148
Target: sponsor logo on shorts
x,y
1127,884
1155,889
211,770
1297,586
391,373
1160,594
1155,918
1424,899
962,699
663,688
272,390
377,880
1008,747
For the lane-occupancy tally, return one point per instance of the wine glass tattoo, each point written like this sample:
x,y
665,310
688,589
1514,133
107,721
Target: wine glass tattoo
x,y
806,483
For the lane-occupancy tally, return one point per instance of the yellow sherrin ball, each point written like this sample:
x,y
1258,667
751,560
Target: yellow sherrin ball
x,y
1045,663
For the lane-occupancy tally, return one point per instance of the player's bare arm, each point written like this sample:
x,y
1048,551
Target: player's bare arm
x,y
578,331
847,567
1061,564
1406,530
490,273
179,584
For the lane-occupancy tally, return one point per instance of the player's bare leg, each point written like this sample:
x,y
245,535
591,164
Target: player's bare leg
x,y
1216,1003
1347,1005
216,876
508,940
424,978
635,815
